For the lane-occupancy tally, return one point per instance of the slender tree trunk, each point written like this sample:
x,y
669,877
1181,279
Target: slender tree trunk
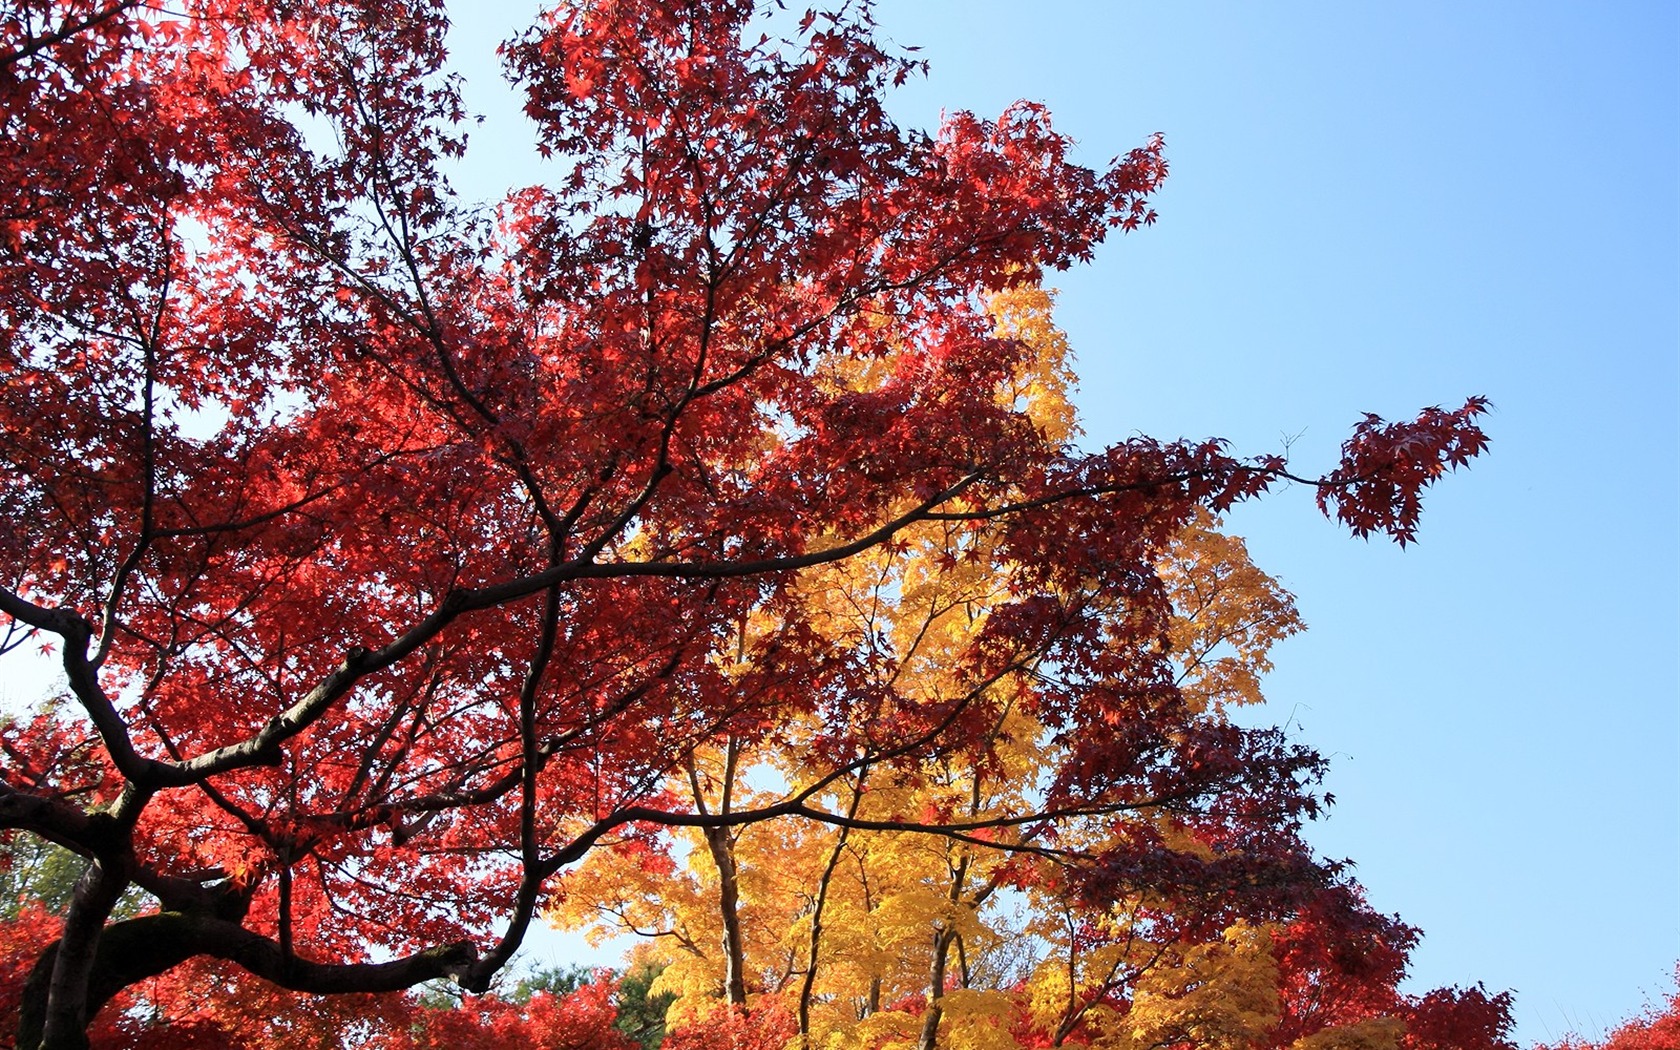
x,y
936,989
873,1006
729,905
810,979
722,848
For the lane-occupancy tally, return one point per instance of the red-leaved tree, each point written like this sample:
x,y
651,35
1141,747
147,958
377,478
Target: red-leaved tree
x,y
396,550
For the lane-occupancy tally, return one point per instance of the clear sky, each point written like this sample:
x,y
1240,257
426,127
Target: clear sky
x,y
1377,208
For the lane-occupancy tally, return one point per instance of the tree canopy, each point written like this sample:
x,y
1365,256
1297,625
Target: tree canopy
x,y
401,552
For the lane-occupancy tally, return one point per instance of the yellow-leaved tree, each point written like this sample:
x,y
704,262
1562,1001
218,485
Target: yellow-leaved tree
x,y
860,890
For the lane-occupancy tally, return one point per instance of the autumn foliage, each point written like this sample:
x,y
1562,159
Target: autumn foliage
x,y
418,568
1656,1028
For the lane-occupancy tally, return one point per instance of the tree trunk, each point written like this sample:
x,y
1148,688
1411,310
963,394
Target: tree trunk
x,y
67,969
721,845
810,979
936,989
729,904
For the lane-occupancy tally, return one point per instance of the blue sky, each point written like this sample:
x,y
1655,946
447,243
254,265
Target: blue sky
x,y
1378,208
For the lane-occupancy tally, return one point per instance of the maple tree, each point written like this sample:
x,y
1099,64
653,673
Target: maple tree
x,y
398,552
